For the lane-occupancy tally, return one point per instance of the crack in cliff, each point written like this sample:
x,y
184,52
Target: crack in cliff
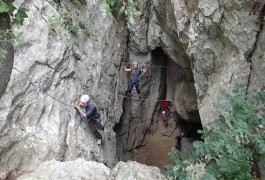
x,y
250,54
64,141
249,59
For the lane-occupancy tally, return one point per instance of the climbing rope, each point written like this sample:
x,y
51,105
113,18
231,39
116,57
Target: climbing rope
x,y
144,99
168,67
61,102
58,100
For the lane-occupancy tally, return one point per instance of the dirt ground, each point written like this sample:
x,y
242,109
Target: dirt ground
x,y
157,145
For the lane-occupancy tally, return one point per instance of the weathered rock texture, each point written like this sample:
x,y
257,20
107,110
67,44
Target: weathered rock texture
x,y
80,169
221,39
207,47
133,170
35,123
212,44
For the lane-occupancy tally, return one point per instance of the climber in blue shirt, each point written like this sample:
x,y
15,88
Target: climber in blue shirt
x,y
92,116
135,74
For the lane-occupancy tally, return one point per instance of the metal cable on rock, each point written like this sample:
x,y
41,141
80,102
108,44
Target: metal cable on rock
x,y
58,100
145,99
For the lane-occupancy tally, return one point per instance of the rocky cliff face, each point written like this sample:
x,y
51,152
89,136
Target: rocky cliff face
x,y
51,71
222,41
194,50
80,169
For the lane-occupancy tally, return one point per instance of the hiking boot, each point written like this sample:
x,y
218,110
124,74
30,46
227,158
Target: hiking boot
x,y
99,142
127,95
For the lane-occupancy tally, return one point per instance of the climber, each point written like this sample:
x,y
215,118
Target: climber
x,y
91,115
164,117
165,106
135,74
179,138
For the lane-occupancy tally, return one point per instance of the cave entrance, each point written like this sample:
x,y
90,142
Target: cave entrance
x,y
172,82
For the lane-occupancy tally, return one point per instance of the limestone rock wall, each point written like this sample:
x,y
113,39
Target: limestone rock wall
x,y
51,70
223,42
210,45
80,169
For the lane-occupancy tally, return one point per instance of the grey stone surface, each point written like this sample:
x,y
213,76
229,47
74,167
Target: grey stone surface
x,y
81,169
36,127
209,45
133,171
77,169
210,34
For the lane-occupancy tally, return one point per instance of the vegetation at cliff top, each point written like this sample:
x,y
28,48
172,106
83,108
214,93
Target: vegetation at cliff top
x,y
231,150
17,17
126,7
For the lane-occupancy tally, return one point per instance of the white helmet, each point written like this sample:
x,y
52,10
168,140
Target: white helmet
x,y
84,99
135,62
163,112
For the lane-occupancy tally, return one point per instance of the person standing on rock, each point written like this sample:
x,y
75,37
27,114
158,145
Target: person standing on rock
x,y
92,116
135,74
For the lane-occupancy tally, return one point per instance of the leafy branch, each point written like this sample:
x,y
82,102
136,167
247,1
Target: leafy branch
x,y
17,17
233,149
126,7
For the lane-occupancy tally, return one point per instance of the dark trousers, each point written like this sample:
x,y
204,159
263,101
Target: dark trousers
x,y
136,84
94,126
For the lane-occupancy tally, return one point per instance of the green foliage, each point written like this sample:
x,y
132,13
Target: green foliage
x,y
2,53
73,28
17,17
231,149
63,23
20,16
86,33
128,8
76,56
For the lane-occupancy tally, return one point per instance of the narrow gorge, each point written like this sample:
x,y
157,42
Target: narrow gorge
x,y
194,51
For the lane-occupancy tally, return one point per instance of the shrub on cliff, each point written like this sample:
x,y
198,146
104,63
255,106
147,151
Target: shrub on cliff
x,y
231,150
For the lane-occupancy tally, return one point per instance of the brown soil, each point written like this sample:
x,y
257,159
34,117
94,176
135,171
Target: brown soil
x,y
157,145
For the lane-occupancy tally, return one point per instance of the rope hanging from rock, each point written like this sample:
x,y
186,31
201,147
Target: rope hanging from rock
x,y
58,100
168,67
145,99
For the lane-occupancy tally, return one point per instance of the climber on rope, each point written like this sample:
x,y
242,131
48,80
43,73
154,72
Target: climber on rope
x,y
135,74
92,115
165,106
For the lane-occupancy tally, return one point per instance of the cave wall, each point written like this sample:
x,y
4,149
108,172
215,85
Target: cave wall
x,y
223,41
214,44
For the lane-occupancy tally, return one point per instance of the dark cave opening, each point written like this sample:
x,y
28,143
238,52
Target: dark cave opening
x,y
172,83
